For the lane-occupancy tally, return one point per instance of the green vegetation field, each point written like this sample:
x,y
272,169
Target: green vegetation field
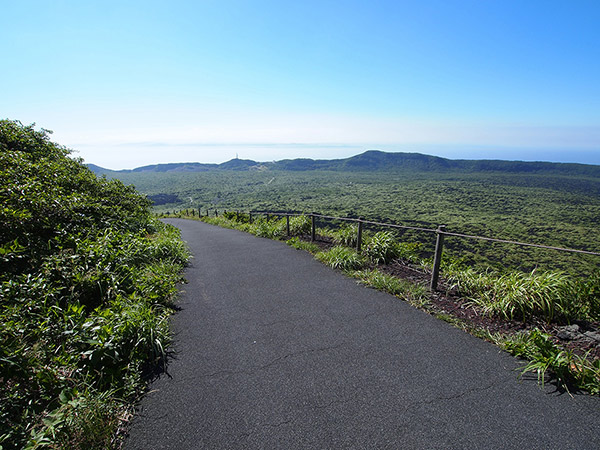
x,y
545,206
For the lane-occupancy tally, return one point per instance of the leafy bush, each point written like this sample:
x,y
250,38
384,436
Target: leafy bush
x,y
342,258
86,278
271,229
237,217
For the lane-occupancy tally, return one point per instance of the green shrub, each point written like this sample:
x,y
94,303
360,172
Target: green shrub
x,y
342,258
271,229
300,225
237,217
586,302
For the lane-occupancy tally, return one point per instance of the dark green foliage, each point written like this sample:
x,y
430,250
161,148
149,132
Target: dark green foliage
x,y
87,277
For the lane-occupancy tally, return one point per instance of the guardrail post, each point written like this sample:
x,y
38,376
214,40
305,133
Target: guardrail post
x,y
287,224
437,259
312,227
359,235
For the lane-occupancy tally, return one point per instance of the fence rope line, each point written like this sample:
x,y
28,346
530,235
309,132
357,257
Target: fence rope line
x,y
446,233
440,233
525,244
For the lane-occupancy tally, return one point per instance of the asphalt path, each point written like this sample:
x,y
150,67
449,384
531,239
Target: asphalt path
x,y
273,350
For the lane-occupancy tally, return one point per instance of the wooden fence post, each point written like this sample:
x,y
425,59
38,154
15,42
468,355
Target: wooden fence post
x,y
287,225
437,259
359,235
312,227
250,217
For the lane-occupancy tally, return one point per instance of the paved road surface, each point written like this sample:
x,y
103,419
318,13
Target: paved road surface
x,y
276,351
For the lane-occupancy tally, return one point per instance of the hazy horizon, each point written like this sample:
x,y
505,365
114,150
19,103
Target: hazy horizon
x,y
499,154
134,83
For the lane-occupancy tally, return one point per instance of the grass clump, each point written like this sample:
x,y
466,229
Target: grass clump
x,y
552,296
381,248
87,279
412,292
342,258
346,235
260,226
299,244
548,359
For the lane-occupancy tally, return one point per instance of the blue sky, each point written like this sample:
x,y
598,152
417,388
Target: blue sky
x,y
129,83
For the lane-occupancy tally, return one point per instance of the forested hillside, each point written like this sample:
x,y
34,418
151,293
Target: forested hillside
x,y
544,203
373,160
88,277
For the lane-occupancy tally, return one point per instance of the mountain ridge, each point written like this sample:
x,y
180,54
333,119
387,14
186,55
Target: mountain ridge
x,y
370,160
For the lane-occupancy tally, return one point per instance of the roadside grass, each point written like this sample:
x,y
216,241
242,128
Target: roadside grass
x,y
260,226
346,235
342,258
549,360
551,296
299,244
414,293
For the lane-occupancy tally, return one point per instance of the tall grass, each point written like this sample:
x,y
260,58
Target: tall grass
x,y
552,296
260,226
342,258
346,235
381,248
547,359
414,293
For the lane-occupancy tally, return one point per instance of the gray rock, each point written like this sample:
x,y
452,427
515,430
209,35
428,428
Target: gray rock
x,y
569,332
592,335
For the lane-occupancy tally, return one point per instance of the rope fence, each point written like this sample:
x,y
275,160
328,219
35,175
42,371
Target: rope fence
x,y
440,233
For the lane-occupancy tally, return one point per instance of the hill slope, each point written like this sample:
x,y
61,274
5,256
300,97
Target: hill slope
x,y
371,160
